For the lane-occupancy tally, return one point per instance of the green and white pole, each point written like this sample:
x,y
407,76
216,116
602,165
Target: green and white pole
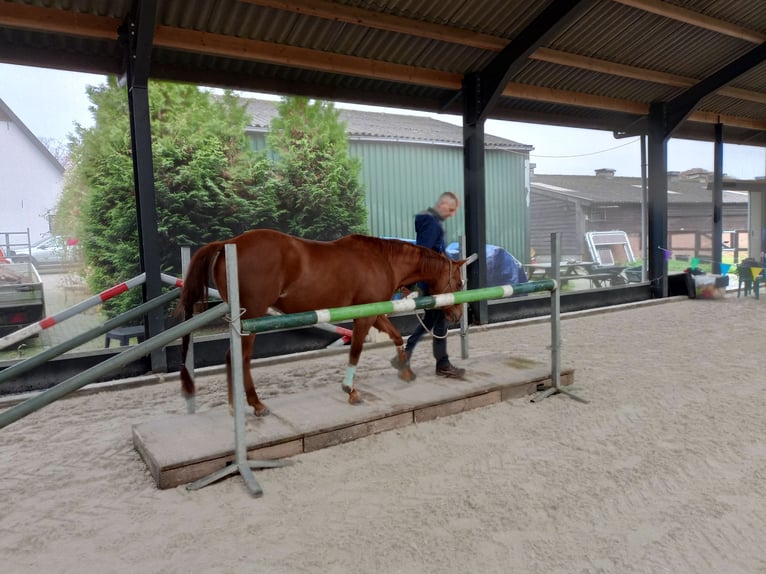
x,y
338,314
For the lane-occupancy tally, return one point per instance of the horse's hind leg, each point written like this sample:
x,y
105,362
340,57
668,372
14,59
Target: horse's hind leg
x,y
401,361
361,328
252,397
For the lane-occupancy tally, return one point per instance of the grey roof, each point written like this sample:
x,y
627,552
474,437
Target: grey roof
x,y
389,127
622,190
596,64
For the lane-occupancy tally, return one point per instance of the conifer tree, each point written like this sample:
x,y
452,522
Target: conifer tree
x,y
315,182
207,181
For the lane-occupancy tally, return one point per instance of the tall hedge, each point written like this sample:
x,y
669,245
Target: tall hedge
x,y
315,182
209,183
207,180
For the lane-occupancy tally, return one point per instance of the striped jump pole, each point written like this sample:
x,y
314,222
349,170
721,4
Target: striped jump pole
x,y
38,359
340,331
112,364
48,322
291,321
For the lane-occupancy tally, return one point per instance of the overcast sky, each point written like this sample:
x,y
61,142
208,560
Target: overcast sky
x,y
51,102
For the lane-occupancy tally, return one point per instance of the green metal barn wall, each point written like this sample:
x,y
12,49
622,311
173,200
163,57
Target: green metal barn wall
x,y
507,213
401,179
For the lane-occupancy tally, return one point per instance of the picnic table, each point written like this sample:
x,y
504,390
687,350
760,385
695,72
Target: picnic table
x,y
598,275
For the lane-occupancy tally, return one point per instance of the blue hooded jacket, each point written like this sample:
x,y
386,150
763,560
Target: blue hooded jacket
x,y
429,233
429,230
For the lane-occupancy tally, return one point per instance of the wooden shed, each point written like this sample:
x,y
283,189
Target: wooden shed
x,y
577,204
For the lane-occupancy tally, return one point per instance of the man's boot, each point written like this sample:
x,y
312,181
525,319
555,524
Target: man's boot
x,y
449,371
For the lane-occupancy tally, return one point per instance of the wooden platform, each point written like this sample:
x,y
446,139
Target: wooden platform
x,y
183,448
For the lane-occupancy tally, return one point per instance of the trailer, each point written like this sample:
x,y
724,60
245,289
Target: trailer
x,y
22,301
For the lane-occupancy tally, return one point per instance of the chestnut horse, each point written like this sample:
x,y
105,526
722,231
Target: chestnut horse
x,y
295,275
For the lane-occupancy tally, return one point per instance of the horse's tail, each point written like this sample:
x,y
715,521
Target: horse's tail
x,y
195,290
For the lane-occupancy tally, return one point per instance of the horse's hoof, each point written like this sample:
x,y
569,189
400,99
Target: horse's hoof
x,y
402,361
407,375
354,397
261,411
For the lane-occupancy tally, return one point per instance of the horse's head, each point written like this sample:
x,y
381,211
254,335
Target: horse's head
x,y
447,280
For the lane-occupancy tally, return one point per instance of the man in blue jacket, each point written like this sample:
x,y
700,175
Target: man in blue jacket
x,y
429,229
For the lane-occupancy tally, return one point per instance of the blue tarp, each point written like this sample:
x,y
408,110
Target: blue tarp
x,y
502,267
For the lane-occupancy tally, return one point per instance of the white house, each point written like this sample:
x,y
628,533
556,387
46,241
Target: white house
x,y
31,179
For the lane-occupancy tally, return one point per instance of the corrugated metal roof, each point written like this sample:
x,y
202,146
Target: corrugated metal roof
x,y
612,57
392,127
600,189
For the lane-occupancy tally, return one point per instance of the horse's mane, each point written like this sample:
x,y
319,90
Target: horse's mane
x,y
430,261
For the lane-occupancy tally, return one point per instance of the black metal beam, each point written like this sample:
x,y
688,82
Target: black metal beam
x,y
682,105
664,118
638,127
679,108
138,32
547,24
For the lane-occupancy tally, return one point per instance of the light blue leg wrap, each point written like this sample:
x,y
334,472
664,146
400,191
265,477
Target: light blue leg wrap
x,y
348,380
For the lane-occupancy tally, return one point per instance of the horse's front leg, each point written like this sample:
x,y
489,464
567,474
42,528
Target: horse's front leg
x,y
252,397
402,361
361,328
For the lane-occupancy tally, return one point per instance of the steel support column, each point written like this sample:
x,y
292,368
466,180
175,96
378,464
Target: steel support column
x,y
644,203
480,92
474,192
657,207
139,32
718,198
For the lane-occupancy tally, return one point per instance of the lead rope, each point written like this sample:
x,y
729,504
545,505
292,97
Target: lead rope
x,y
419,317
434,335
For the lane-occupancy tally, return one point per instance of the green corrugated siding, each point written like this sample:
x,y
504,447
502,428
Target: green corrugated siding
x,y
402,179
506,201
257,141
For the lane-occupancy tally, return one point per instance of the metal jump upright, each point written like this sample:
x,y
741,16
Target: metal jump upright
x,y
241,464
556,387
